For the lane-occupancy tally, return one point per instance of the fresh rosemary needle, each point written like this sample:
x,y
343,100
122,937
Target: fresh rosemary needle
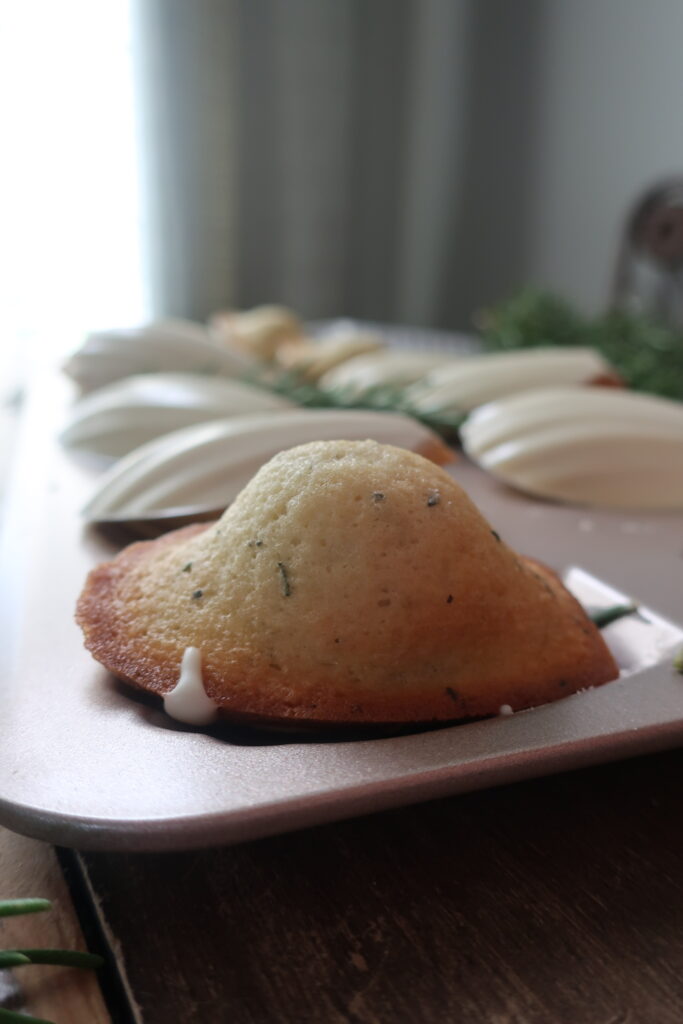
x,y
603,616
10,1017
285,585
10,908
60,958
12,958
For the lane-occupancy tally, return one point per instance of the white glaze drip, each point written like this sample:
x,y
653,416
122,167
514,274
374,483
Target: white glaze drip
x,y
188,701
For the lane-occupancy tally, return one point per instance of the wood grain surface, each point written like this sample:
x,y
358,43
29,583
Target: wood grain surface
x,y
61,994
557,900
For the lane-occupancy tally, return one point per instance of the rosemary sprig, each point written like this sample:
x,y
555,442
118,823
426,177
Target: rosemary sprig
x,y
381,398
603,616
646,354
25,957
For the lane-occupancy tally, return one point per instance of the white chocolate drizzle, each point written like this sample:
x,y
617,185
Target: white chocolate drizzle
x,y
188,701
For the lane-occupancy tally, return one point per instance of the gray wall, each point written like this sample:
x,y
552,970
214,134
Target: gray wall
x,y
610,123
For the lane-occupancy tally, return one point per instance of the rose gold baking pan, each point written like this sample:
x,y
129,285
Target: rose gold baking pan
x,y
85,763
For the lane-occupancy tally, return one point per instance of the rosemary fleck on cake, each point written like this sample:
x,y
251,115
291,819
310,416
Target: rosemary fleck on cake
x,y
350,582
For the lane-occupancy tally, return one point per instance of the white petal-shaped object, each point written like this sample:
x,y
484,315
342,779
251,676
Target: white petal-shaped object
x,y
166,345
121,416
391,368
208,465
594,446
462,386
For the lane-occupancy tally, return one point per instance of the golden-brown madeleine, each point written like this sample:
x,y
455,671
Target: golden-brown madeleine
x,y
350,582
257,332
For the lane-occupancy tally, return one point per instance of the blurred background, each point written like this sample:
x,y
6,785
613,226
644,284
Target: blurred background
x,y
399,160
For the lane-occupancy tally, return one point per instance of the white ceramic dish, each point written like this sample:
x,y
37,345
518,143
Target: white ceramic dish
x,y
85,763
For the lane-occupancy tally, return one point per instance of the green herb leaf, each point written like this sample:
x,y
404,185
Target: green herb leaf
x,y
62,958
11,908
678,661
12,958
603,616
10,1017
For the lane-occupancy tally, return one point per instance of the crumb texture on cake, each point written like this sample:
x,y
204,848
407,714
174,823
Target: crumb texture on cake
x,y
348,582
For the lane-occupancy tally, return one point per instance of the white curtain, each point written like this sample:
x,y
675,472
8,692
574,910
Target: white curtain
x,y
335,155
400,160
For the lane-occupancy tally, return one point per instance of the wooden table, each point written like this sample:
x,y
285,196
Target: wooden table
x,y
555,900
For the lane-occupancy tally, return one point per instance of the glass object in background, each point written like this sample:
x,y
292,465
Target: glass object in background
x,y
649,278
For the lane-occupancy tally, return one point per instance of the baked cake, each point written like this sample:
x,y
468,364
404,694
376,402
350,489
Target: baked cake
x,y
349,582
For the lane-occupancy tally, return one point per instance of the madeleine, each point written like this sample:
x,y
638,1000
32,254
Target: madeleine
x,y
349,582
